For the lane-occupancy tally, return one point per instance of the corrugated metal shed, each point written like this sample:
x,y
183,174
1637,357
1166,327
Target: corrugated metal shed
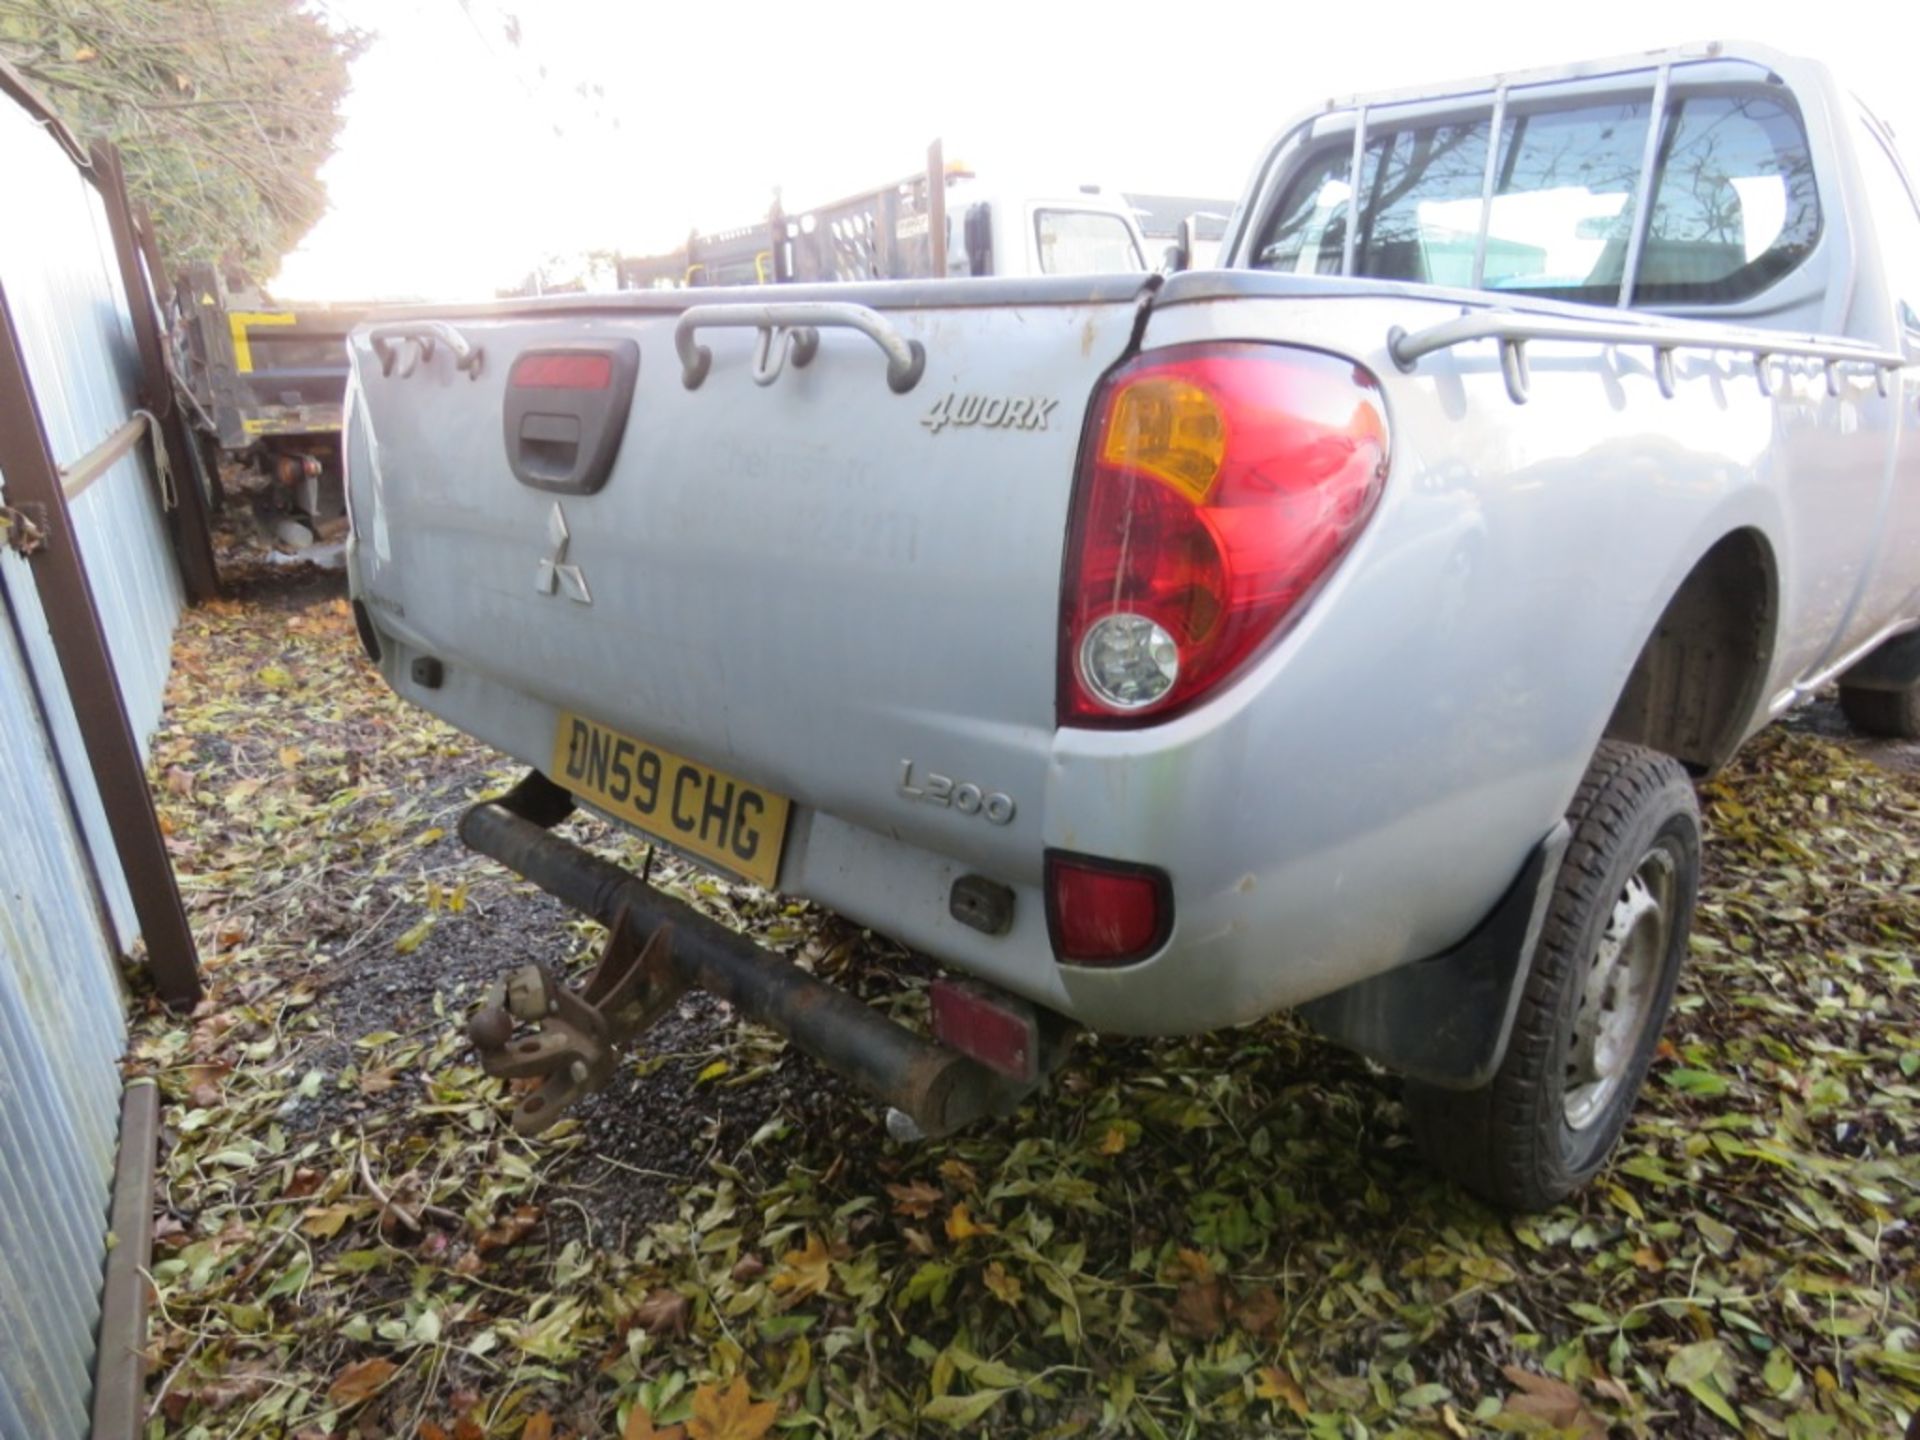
x,y
63,287
61,1033
65,909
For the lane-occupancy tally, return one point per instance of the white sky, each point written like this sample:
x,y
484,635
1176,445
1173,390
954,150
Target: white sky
x,y
465,159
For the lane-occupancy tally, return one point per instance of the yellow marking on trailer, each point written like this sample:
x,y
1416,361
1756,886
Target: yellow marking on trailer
x,y
237,323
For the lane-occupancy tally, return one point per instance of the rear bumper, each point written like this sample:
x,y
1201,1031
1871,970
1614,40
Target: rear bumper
x,y
1306,883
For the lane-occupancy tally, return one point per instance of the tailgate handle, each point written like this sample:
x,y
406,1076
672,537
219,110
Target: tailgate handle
x,y
906,359
424,334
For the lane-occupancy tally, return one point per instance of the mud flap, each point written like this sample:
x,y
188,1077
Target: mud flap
x,y
1446,1020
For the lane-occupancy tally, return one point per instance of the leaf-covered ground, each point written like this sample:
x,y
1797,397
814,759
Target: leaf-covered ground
x,y
1221,1236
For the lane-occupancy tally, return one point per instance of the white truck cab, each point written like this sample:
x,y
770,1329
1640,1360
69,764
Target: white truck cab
x,y
1017,230
1001,226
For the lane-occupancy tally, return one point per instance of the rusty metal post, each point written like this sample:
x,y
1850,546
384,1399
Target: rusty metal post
x,y
188,521
120,1360
60,574
936,212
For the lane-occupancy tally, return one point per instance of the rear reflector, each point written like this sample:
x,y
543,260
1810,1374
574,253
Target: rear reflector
x,y
562,370
1103,912
999,1031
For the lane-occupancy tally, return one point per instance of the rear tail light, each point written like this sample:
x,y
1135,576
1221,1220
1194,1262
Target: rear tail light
x,y
1103,912
1219,485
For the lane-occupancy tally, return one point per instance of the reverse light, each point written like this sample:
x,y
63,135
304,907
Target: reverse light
x,y
1128,661
1104,912
1221,484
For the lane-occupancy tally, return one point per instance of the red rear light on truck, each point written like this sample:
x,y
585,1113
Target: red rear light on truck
x,y
1104,912
1219,485
562,370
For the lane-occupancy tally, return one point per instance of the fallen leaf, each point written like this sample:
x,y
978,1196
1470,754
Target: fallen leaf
x,y
1258,1311
960,1411
1271,1382
539,1426
510,1231
663,1312
1200,1309
916,1199
804,1272
414,937
1004,1287
203,1084
729,1415
323,1222
360,1381
640,1426
748,1268
959,1174
962,1226
1554,1401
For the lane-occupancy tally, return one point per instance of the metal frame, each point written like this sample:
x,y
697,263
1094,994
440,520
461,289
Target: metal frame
x,y
120,1360
658,947
1488,181
1513,330
906,359
75,478
1643,193
59,572
187,517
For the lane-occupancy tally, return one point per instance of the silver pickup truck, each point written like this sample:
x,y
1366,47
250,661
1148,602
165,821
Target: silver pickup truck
x,y
1340,630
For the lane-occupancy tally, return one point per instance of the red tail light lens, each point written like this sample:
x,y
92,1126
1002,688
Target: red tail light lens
x,y
1220,484
1103,912
562,370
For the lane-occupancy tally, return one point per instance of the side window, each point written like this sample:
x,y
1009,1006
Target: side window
x,y
1562,204
1084,242
1307,233
1896,223
1735,206
1420,204
1563,200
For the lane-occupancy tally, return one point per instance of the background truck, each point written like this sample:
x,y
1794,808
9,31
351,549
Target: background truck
x,y
883,234
267,383
1339,630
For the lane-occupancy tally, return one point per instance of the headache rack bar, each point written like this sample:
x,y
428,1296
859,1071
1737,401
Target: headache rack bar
x,y
1513,330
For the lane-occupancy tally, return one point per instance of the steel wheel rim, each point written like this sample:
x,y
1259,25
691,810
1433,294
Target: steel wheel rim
x,y
1618,984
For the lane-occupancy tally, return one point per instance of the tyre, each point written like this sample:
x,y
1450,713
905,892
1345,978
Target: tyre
x,y
1891,714
1596,997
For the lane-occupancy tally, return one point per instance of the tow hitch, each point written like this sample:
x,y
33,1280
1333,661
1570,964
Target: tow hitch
x,y
534,1026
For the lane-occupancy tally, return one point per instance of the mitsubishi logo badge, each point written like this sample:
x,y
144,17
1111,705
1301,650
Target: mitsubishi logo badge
x,y
554,573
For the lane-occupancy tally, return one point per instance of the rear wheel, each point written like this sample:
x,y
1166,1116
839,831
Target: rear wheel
x,y
1602,979
1892,714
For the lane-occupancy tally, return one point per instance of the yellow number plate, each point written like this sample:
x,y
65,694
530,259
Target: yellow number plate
x,y
737,826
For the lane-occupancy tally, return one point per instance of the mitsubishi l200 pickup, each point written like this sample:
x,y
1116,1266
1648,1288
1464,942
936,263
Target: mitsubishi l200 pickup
x,y
1340,630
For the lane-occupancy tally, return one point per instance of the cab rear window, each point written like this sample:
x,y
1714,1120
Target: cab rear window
x,y
1084,242
1552,212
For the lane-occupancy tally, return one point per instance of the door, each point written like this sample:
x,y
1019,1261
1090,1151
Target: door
x,y
1892,589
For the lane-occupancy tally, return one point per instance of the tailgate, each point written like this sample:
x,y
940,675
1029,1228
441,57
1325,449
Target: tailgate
x,y
808,584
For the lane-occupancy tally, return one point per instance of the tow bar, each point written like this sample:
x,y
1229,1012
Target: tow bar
x,y
657,949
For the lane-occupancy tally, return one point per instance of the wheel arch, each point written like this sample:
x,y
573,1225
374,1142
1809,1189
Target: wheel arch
x,y
1700,676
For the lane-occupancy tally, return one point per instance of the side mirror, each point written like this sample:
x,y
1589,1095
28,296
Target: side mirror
x,y
1180,253
978,234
